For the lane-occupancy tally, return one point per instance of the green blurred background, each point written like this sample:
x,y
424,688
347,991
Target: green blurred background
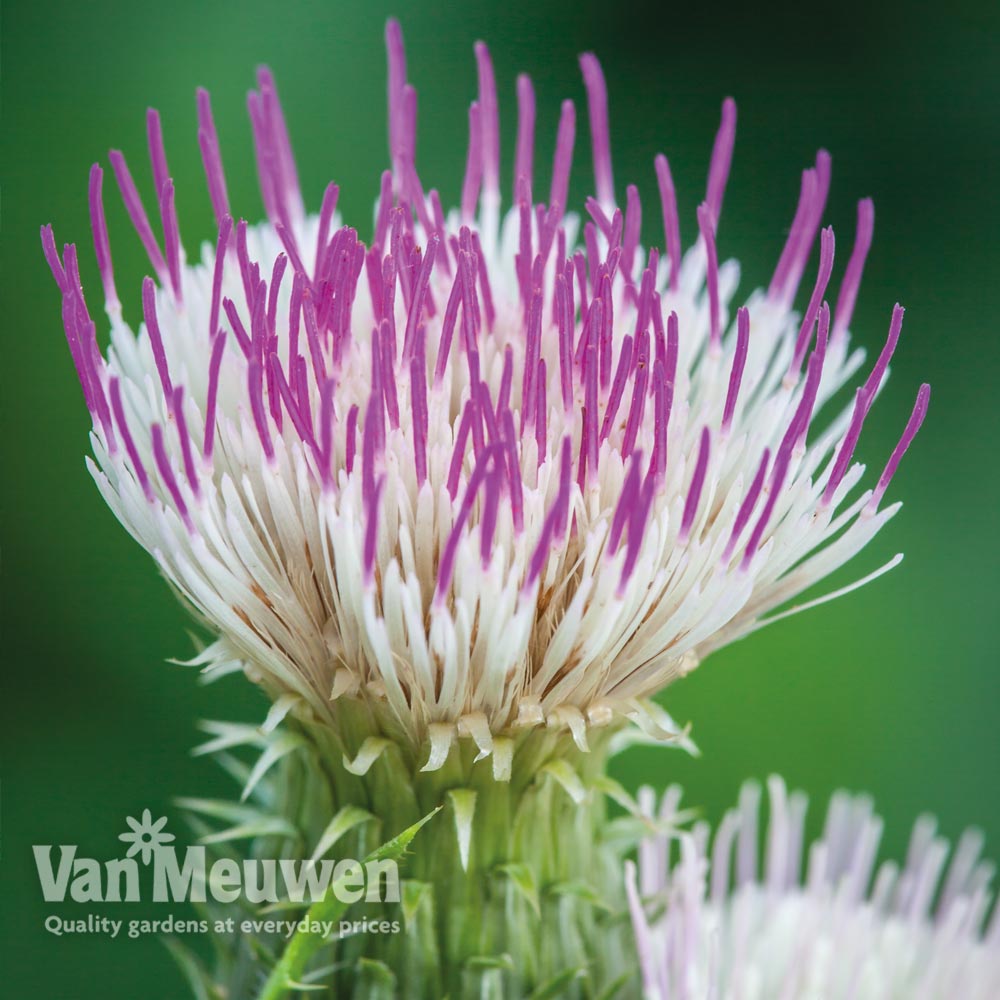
x,y
893,689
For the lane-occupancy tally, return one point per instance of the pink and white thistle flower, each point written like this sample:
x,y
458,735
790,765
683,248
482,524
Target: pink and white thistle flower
x,y
470,492
486,471
710,926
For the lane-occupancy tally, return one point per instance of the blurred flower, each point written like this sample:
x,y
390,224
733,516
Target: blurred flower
x,y
478,472
836,934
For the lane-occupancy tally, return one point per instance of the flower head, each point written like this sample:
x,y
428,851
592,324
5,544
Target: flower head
x,y
481,470
836,934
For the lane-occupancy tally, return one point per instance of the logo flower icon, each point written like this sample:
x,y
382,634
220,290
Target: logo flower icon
x,y
146,836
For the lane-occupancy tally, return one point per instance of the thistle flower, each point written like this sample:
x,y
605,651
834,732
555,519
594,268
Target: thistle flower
x,y
837,933
483,471
463,492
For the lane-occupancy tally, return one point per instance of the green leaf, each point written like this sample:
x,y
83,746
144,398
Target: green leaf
x,y
321,974
376,980
346,819
370,751
413,893
479,962
568,778
394,849
523,879
225,809
288,972
266,826
277,747
617,793
556,987
228,734
627,832
247,821
581,891
463,802
615,986
276,714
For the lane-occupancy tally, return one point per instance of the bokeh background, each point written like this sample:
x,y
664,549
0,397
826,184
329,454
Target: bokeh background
x,y
893,689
